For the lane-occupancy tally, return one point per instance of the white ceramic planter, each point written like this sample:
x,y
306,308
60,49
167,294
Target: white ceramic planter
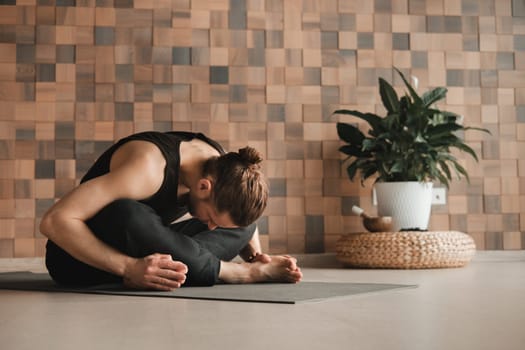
x,y
408,203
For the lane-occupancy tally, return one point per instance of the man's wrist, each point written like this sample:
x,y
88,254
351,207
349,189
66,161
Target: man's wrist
x,y
129,262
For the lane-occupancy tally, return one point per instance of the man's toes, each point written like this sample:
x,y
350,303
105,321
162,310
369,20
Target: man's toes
x,y
291,263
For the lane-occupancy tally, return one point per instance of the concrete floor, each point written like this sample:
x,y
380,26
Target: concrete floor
x,y
480,306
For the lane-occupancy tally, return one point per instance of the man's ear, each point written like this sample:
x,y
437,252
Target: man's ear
x,y
204,187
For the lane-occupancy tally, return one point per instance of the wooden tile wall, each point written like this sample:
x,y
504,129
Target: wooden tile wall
x,y
77,75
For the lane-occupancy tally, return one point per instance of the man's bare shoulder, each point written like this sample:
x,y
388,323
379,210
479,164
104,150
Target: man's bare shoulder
x,y
138,152
197,149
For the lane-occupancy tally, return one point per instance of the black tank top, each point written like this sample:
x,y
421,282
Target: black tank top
x,y
164,201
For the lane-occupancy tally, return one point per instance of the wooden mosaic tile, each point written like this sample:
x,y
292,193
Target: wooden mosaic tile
x,y
512,240
162,111
24,247
24,228
314,234
493,240
45,53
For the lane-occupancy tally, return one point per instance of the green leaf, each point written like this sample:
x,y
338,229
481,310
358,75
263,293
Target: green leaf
x,y
432,96
353,151
388,96
478,129
445,168
350,133
445,140
372,119
413,92
397,167
441,130
465,148
420,139
369,145
442,179
369,172
460,170
351,170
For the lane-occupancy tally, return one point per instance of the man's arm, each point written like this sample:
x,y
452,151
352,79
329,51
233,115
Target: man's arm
x,y
252,251
137,172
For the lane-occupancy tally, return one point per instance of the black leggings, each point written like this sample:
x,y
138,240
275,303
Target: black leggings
x,y
136,230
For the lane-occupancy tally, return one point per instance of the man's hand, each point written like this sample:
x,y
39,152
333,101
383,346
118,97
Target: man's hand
x,y
156,271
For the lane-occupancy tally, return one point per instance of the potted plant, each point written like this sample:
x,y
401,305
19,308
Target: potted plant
x,y
410,147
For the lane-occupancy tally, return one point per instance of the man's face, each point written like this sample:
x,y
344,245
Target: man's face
x,y
205,211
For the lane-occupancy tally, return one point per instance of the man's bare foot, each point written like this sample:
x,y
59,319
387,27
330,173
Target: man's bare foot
x,y
280,268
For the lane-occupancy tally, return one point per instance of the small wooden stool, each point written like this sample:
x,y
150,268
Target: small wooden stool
x,y
405,249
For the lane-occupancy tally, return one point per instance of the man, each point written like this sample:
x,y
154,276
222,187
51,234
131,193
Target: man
x,y
118,224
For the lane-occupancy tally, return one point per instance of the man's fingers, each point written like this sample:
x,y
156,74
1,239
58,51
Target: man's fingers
x,y
162,287
171,271
158,256
165,261
173,265
172,276
161,283
167,283
163,273
165,257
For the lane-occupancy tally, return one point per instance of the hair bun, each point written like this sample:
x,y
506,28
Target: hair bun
x,y
250,157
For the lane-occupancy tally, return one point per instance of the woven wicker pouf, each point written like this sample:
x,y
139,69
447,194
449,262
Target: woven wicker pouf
x,y
406,249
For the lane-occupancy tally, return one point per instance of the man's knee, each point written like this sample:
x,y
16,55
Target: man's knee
x,y
119,215
126,207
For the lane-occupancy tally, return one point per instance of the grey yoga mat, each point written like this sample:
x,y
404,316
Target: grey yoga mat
x,y
283,293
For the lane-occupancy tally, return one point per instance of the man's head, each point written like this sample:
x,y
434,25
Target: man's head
x,y
232,190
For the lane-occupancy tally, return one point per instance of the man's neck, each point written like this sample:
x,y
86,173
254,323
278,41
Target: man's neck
x,y
193,155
